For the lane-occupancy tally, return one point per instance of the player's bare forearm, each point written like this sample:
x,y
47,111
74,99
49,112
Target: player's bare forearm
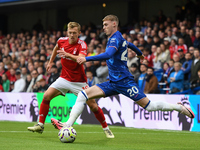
x,y
73,57
54,53
64,54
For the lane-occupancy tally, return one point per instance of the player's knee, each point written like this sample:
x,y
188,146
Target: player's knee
x,y
93,105
46,97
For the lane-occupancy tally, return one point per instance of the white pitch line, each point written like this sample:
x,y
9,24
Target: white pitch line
x,y
157,130
180,133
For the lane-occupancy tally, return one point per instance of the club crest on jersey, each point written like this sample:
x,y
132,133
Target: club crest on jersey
x,y
74,51
112,40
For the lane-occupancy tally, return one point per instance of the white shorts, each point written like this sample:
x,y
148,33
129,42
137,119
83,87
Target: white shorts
x,y
65,86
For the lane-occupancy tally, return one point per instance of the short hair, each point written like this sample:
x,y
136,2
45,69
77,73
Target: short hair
x,y
146,49
180,65
144,65
73,25
9,63
171,60
36,61
89,71
181,38
196,49
35,70
146,60
7,75
150,68
23,67
188,53
111,18
18,72
54,66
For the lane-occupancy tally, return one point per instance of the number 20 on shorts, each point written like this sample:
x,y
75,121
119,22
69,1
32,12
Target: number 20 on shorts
x,y
134,90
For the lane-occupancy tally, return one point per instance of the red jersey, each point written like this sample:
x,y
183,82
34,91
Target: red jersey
x,y
12,78
173,49
1,88
71,70
184,47
8,74
150,60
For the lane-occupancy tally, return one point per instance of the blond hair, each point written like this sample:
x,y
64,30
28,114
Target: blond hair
x,y
74,24
111,18
178,63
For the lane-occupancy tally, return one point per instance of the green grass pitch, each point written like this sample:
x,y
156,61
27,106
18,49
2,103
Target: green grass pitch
x,y
14,136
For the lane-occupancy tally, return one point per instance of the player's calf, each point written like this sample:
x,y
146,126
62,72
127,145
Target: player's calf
x,y
164,106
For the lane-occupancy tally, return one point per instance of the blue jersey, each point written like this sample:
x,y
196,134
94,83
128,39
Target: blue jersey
x,y
121,80
116,57
117,64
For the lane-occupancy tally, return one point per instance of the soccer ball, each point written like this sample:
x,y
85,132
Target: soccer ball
x,y
67,134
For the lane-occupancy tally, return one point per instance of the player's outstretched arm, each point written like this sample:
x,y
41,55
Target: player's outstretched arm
x,y
134,48
63,54
137,50
103,56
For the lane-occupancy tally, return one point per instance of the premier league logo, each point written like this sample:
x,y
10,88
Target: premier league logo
x,y
185,121
34,111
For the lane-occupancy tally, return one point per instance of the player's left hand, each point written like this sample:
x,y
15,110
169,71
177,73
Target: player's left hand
x,y
141,58
81,60
62,53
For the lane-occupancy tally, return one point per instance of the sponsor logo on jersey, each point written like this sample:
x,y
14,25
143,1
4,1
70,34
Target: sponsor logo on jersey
x,y
112,40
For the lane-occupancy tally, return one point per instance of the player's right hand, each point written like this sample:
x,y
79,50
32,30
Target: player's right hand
x,y
48,68
81,60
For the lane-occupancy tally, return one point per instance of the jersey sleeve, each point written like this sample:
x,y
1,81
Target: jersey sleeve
x,y
83,49
103,56
134,48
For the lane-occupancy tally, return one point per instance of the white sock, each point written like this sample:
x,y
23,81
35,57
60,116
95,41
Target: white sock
x,y
106,128
77,108
164,106
41,124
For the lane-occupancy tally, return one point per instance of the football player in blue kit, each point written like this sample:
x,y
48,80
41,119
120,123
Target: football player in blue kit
x,y
121,80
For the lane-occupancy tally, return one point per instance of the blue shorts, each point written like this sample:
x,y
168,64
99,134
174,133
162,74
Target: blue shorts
x,y
127,87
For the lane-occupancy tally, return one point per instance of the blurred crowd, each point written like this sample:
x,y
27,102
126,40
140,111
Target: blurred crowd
x,y
171,50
